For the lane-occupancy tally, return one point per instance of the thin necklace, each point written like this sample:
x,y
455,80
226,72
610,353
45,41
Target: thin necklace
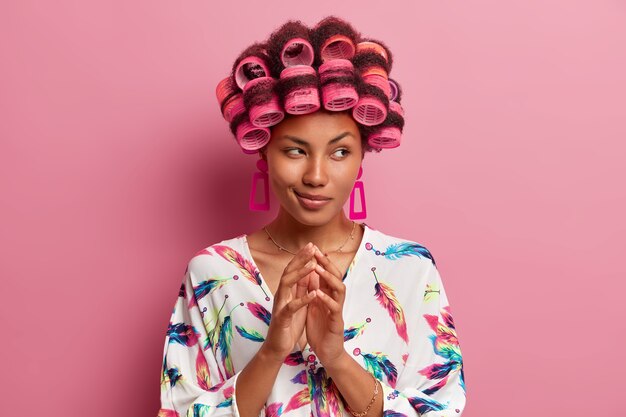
x,y
337,250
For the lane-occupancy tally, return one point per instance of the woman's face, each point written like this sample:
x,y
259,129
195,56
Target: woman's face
x,y
318,156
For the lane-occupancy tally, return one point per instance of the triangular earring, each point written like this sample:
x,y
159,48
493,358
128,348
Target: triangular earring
x,y
261,164
358,187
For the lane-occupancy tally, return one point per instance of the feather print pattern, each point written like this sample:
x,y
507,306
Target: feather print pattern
x,y
259,312
202,371
294,359
402,333
300,378
224,342
387,298
398,250
299,399
424,405
250,334
431,292
378,364
274,410
324,394
246,267
446,345
167,413
208,286
183,334
354,331
393,413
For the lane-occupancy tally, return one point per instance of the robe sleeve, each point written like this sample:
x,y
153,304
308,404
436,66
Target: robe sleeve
x,y
192,382
432,383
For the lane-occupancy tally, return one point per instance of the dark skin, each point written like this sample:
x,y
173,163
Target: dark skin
x,y
319,154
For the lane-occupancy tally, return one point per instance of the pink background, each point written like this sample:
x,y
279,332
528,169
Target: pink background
x,y
116,167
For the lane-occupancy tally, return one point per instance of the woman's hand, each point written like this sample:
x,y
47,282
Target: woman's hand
x,y
324,321
289,309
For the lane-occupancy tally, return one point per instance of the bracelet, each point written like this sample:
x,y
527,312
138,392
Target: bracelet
x,y
361,414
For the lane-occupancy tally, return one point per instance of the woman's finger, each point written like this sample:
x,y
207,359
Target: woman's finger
x,y
337,287
326,263
300,259
288,280
332,305
294,305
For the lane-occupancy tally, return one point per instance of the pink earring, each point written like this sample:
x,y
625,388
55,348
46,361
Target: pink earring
x,y
261,164
358,185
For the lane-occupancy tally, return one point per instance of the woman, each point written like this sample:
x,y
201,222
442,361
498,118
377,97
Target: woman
x,y
314,314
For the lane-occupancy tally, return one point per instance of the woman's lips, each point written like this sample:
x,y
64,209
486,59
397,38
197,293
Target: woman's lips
x,y
311,204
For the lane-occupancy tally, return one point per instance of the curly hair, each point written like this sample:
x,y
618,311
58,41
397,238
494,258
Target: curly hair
x,y
298,70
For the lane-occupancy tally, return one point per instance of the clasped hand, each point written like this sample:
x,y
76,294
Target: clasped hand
x,y
310,295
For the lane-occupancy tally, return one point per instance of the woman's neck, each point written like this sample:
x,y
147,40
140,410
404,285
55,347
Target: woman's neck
x,y
293,235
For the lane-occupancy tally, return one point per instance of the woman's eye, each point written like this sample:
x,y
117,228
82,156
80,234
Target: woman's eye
x,y
293,151
345,152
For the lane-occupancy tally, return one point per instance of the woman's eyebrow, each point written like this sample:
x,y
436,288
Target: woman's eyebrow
x,y
305,143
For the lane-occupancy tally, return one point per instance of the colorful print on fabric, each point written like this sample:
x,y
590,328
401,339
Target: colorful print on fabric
x,y
398,327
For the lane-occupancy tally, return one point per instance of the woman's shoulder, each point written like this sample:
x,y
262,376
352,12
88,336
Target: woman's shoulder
x,y
396,247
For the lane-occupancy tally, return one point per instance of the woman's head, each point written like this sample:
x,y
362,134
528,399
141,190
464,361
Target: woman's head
x,y
316,155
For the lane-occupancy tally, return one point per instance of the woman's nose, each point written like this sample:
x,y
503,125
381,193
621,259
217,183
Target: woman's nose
x,y
315,173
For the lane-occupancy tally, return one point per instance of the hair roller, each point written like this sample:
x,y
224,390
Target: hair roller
x,y
250,68
396,91
377,46
334,38
297,51
396,107
249,136
338,81
233,106
289,45
373,67
372,106
389,133
299,87
370,46
262,102
229,97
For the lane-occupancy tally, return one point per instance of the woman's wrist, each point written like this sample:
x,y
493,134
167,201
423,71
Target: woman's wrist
x,y
270,357
339,364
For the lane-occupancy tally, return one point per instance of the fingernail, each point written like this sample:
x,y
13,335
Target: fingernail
x,y
311,294
319,268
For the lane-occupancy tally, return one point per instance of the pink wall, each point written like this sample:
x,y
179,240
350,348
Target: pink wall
x,y
116,167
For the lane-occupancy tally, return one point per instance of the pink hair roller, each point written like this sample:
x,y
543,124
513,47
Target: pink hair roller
x,y
233,107
369,111
297,51
302,100
335,96
337,47
369,46
250,68
269,112
395,90
395,107
224,89
378,81
251,137
249,151
385,137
